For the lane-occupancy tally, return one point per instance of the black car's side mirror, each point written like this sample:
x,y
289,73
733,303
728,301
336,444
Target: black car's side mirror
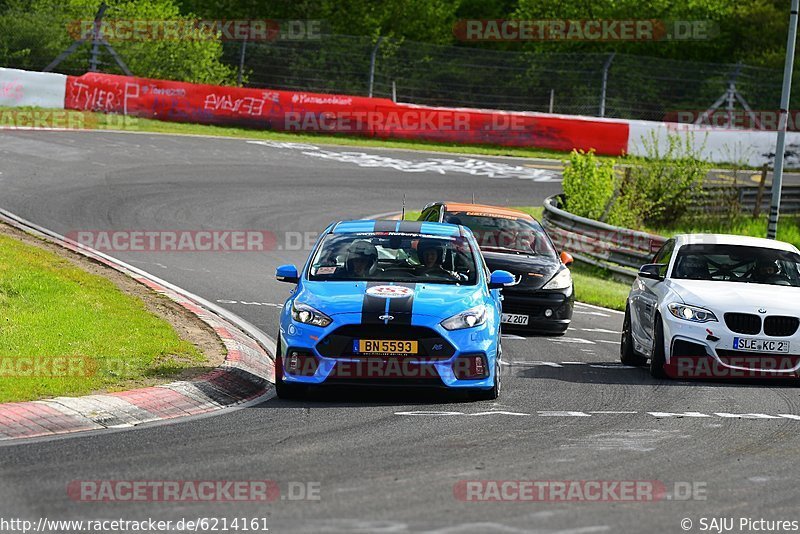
x,y
651,271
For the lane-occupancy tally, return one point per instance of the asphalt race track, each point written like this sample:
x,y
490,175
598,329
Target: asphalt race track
x,y
384,462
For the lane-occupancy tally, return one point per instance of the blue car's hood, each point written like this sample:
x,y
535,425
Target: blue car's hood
x,y
437,300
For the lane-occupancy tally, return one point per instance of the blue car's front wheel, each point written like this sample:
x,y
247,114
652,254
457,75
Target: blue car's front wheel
x,y
493,392
283,389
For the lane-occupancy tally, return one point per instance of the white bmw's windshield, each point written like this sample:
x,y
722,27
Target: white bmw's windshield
x,y
736,263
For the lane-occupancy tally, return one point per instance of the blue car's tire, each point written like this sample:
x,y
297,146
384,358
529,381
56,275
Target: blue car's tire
x,y
493,392
282,389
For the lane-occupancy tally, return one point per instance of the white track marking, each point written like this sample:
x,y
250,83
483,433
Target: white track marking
x,y
577,340
442,165
598,314
684,414
601,330
531,364
593,413
249,303
599,308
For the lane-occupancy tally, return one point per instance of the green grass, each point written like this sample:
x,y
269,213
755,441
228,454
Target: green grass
x,y
788,228
103,121
596,286
52,311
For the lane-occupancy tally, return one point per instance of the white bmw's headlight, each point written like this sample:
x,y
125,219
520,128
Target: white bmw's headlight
x,y
467,319
302,313
691,313
560,281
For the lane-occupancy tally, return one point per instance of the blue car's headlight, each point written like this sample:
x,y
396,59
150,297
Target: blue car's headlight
x,y
303,313
467,319
691,313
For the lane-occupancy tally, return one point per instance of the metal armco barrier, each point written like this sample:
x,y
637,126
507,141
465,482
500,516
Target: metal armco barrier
x,y
619,250
790,199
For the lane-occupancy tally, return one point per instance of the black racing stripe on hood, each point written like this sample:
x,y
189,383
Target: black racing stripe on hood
x,y
410,227
372,307
400,308
385,226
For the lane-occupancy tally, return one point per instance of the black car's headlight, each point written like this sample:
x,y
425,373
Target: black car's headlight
x,y
467,319
694,314
562,280
303,313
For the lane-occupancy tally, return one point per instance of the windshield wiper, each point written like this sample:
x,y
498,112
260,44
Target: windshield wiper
x,y
512,250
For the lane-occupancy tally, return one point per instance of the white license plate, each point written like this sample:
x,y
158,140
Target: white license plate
x,y
760,345
514,318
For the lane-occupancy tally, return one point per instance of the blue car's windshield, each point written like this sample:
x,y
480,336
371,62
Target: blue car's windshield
x,y
395,257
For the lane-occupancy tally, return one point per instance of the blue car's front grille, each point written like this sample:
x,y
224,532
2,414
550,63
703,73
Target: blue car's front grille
x,y
339,343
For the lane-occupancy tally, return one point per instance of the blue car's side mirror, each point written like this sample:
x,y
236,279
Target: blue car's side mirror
x,y
500,279
287,273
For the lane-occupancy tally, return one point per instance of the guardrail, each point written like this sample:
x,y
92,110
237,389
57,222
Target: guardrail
x,y
620,250
715,198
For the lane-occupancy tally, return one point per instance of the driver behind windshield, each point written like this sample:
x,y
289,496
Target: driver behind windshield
x,y
361,260
431,257
767,271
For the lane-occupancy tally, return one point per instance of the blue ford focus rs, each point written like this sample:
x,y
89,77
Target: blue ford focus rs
x,y
392,303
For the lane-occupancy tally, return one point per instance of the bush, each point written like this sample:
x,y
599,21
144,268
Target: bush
x,y
665,182
654,190
588,184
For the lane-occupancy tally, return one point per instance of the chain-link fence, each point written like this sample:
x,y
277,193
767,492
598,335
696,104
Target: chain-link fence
x,y
611,85
635,87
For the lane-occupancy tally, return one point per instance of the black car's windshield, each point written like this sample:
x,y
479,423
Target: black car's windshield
x,y
736,263
395,257
504,233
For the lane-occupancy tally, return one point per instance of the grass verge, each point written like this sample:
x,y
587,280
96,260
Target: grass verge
x,y
104,121
788,227
66,331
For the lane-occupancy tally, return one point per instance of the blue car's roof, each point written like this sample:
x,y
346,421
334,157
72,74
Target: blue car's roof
x,y
411,227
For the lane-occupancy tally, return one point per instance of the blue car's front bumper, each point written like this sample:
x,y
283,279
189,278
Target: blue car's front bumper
x,y
335,362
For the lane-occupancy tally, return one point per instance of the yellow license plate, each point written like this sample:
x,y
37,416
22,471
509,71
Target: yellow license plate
x,y
384,346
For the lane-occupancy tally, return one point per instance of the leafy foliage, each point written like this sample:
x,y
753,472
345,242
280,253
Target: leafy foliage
x,y
588,184
33,30
653,190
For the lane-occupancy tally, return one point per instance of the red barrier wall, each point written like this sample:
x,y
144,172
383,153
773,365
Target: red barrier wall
x,y
314,112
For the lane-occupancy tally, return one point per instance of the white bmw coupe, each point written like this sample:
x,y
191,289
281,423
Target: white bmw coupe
x,y
713,306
